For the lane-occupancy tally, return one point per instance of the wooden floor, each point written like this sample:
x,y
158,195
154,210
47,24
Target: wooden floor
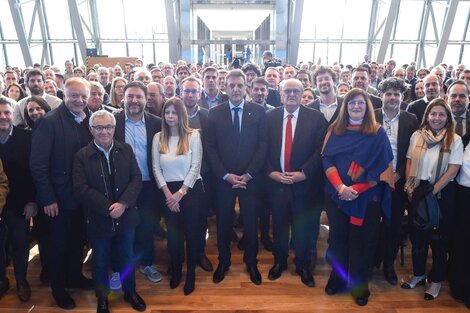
x,y
237,294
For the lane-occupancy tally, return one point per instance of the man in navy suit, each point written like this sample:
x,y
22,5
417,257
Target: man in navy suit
x,y
295,137
236,148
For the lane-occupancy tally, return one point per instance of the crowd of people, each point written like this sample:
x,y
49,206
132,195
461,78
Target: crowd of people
x,y
100,156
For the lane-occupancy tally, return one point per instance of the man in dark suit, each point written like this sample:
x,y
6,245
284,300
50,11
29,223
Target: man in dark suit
x,y
295,137
56,138
15,150
399,126
360,79
458,97
236,147
432,88
137,128
198,119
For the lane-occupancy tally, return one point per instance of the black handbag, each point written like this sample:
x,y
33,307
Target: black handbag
x,y
426,213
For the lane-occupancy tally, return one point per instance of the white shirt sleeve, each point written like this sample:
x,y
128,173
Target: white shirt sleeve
x,y
157,170
195,145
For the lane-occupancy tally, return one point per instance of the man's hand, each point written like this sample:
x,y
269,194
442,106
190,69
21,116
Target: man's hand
x,y
116,209
52,210
30,210
296,177
236,181
281,178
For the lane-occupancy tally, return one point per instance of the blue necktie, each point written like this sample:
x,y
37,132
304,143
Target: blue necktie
x,y
236,121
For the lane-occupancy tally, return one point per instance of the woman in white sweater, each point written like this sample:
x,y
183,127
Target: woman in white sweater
x,y
177,155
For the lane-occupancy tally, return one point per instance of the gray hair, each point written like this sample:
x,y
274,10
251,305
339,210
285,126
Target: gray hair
x,y
97,85
101,114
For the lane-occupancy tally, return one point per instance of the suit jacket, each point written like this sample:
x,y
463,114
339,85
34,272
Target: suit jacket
x,y
204,120
309,133
376,101
316,105
203,103
153,125
407,125
274,98
56,139
418,107
15,154
237,153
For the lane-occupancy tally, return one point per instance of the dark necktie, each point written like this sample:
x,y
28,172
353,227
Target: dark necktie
x,y
459,125
288,143
236,121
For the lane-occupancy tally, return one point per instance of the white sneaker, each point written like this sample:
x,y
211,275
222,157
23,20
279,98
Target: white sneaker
x,y
115,281
151,272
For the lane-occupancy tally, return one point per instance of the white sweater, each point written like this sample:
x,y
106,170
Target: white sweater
x,y
169,167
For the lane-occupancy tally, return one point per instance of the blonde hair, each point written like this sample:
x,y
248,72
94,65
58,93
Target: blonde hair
x,y
184,131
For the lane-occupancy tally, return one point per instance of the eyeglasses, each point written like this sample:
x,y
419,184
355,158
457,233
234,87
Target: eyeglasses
x,y
294,91
354,103
100,128
388,128
193,91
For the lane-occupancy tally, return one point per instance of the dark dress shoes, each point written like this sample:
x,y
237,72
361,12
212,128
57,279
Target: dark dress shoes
x,y
103,306
4,286
24,291
333,287
219,273
267,243
390,275
362,301
205,263
276,271
306,277
189,283
135,301
175,279
255,275
81,283
63,300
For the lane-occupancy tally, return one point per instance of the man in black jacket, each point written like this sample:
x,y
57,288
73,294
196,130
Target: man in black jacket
x,y
399,126
15,149
56,138
107,181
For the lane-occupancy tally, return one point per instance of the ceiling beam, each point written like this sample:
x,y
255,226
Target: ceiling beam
x,y
20,31
391,18
446,29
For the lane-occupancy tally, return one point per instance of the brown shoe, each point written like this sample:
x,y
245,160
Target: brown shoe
x,y
24,291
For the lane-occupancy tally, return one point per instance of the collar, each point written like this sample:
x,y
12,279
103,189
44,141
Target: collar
x,y
7,136
78,118
196,113
385,117
102,149
295,113
463,116
217,96
128,119
240,106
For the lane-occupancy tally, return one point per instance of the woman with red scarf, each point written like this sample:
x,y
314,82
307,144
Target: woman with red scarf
x,y
356,152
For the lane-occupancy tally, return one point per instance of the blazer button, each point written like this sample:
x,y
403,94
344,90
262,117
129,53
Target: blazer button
x,y
117,224
117,189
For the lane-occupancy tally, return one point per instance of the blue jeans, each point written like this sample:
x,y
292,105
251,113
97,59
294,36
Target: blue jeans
x,y
120,248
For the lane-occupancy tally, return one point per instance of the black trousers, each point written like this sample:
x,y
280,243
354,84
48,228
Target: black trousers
x,y
459,253
66,239
351,247
225,204
286,204
391,231
184,225
16,228
438,239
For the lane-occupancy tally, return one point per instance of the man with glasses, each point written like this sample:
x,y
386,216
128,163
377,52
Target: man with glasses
x,y
56,138
399,126
198,119
295,137
106,164
137,128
